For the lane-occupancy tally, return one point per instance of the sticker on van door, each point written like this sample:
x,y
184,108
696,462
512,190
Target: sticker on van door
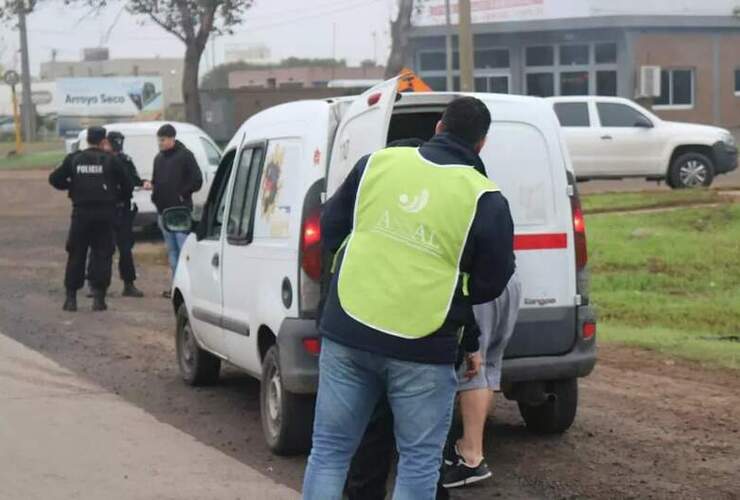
x,y
275,210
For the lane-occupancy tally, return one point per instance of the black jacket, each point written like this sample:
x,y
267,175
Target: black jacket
x,y
488,257
125,195
92,177
176,176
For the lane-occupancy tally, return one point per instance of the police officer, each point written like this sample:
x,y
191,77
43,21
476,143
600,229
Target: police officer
x,y
93,179
123,223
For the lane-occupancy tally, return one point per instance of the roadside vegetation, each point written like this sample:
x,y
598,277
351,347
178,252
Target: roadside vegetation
x,y
36,155
670,280
619,202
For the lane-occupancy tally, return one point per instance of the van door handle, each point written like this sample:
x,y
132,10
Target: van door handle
x,y
215,261
606,137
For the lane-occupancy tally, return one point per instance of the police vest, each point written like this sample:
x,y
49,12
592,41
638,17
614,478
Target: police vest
x,y
401,265
92,178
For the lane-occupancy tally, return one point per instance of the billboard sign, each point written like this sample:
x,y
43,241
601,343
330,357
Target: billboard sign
x,y
133,97
433,12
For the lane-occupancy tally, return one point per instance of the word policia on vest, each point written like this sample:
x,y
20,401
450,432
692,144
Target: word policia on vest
x,y
89,169
412,217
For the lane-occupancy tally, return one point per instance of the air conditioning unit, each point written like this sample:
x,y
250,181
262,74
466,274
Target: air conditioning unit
x,y
649,81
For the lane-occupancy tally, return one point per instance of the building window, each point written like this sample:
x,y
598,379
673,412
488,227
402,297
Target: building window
x,y
574,83
541,84
491,69
606,83
605,53
676,88
574,55
737,81
574,69
540,56
572,114
493,84
491,58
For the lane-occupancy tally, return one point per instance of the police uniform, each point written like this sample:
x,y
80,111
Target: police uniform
x,y
124,221
92,178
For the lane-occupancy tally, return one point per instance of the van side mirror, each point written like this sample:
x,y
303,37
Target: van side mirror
x,y
177,220
643,122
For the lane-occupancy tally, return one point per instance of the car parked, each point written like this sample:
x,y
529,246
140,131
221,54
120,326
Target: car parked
x,y
248,283
140,144
614,138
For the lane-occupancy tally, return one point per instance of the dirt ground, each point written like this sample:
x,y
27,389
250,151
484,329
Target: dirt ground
x,y
647,426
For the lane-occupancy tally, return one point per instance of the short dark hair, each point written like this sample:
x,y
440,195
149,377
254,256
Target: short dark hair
x,y
467,118
95,135
116,140
166,130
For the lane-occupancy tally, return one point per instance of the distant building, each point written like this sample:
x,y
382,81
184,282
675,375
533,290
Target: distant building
x,y
301,77
97,64
683,55
253,54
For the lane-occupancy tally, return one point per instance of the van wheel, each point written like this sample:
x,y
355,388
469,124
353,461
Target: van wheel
x,y
287,418
555,415
691,170
197,367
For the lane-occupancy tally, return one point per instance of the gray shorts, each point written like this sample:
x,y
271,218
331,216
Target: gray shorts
x,y
496,321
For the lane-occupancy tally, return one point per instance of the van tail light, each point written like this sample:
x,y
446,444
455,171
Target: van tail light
x,y
312,345
374,98
589,330
311,245
579,233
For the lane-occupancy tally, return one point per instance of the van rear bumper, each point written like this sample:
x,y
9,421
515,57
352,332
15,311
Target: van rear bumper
x,y
299,369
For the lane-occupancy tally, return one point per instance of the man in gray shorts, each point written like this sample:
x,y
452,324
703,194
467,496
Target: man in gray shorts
x,y
496,320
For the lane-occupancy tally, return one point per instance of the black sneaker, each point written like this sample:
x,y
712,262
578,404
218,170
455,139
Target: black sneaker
x,y
461,474
450,454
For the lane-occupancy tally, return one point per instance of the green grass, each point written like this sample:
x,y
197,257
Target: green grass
x,y
35,155
615,202
669,278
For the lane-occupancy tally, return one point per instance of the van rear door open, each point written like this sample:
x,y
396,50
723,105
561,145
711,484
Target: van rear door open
x,y
523,156
363,130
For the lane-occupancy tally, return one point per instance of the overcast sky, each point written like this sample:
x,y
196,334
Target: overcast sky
x,y
302,28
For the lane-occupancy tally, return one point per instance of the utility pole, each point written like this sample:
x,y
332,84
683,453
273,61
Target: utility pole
x,y
29,128
465,43
448,47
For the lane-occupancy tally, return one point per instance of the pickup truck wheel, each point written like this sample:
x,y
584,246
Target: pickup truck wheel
x,y
197,367
555,415
691,170
287,418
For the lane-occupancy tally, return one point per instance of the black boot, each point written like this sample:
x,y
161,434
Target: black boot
x,y
99,301
70,303
129,290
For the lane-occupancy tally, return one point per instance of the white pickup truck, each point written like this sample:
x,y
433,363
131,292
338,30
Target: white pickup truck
x,y
614,138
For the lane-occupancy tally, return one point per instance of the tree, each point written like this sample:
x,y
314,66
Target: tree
x,y
191,21
399,38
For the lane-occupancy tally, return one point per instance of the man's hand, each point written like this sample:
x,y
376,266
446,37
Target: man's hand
x,y
147,185
472,364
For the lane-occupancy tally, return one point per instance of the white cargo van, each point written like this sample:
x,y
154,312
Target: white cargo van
x,y
248,282
140,144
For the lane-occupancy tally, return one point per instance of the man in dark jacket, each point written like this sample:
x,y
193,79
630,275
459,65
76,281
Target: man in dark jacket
x,y
92,178
124,220
387,327
176,176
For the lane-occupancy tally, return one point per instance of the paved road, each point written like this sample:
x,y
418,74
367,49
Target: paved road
x,y
62,436
723,181
647,427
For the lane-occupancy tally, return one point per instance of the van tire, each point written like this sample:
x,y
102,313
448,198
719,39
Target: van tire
x,y
688,162
555,415
197,366
287,418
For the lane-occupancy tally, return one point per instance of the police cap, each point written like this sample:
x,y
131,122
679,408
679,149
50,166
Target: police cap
x,y
116,140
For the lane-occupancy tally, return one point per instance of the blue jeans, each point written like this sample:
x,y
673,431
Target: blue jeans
x,y
174,242
350,384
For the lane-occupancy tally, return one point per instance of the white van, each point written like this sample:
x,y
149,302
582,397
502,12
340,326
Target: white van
x,y
140,144
247,286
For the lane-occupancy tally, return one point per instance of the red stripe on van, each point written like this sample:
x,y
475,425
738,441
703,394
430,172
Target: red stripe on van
x,y
550,241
